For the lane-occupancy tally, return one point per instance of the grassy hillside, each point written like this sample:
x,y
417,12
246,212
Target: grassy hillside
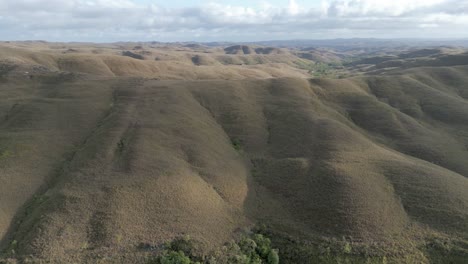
x,y
171,62
99,168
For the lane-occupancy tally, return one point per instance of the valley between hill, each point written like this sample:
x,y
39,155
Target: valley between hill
x,y
102,154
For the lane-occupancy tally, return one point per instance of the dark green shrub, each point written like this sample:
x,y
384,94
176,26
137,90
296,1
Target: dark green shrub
x,y
255,249
273,257
263,245
248,246
236,144
186,245
174,257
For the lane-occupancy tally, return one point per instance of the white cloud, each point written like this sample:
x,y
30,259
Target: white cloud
x,y
376,7
441,18
293,7
111,20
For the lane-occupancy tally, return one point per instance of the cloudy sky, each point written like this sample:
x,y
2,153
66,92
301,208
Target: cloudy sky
x,y
230,20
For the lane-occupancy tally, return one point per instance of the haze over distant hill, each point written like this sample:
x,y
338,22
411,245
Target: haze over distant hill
x,y
337,151
366,43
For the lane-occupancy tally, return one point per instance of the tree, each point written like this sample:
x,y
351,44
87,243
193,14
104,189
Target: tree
x,y
174,257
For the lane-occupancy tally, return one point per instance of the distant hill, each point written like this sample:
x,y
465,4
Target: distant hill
x,y
246,50
166,62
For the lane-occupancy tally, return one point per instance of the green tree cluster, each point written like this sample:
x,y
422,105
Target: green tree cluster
x,y
255,249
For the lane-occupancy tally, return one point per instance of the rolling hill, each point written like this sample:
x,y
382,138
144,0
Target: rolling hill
x,y
103,153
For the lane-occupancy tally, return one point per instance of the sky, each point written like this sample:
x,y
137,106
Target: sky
x,y
229,20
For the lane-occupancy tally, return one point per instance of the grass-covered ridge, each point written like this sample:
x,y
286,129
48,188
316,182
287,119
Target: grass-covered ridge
x,y
108,167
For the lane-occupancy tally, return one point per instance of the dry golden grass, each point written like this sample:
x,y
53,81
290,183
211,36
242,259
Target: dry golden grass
x,y
93,165
170,62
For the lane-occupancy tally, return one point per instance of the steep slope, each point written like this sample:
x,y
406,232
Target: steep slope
x,y
107,164
41,122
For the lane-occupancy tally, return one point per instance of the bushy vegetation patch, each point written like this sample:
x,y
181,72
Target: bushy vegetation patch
x,y
253,249
265,246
